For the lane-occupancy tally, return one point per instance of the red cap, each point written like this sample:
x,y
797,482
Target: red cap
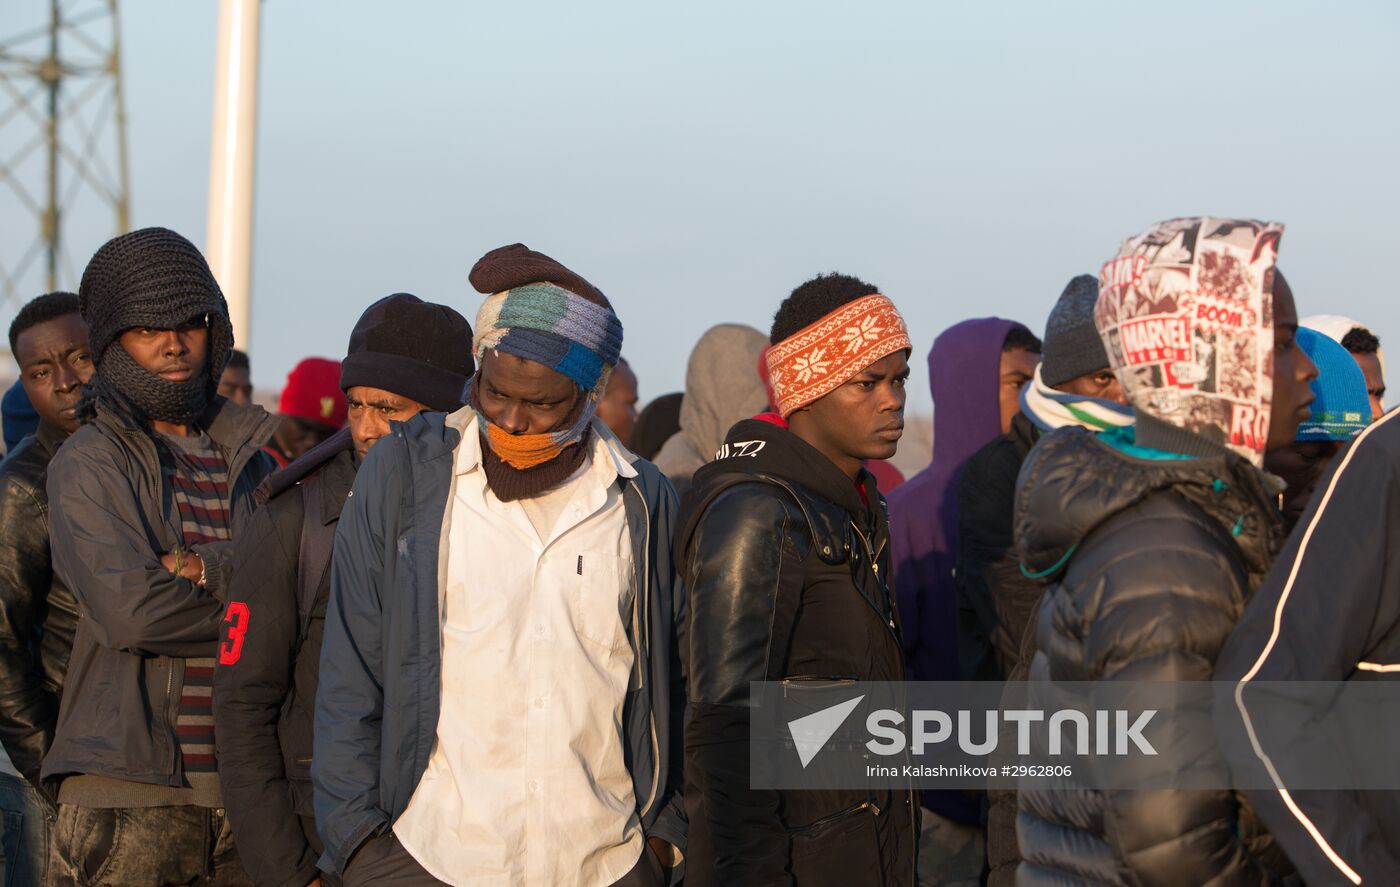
x,y
313,392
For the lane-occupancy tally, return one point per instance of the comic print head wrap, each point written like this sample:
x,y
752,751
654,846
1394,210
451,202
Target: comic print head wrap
x,y
1185,311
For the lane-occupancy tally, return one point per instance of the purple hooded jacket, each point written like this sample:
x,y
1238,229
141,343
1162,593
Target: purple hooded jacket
x,y
965,374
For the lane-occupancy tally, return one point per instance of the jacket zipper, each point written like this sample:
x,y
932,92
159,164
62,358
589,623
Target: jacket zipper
x,y
824,682
175,756
874,564
643,590
875,568
913,796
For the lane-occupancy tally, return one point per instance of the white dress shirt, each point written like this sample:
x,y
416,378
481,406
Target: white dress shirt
x,y
527,783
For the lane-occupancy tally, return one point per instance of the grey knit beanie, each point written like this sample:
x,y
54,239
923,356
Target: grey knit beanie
x,y
1072,344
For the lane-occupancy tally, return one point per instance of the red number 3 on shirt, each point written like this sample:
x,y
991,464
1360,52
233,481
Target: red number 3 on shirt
x,y
237,617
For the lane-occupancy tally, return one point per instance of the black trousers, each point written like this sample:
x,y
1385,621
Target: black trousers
x,y
382,860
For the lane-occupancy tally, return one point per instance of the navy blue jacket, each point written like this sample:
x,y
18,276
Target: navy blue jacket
x,y
378,701
1329,611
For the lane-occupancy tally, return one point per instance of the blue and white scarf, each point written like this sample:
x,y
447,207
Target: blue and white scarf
x,y
1050,409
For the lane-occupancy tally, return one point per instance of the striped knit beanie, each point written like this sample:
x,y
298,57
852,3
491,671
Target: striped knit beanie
x,y
539,310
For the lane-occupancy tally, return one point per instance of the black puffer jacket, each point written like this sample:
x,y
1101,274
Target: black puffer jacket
x,y
1151,559
786,576
37,613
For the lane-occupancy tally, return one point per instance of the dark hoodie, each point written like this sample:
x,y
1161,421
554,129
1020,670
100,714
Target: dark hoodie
x,y
784,561
1150,557
964,368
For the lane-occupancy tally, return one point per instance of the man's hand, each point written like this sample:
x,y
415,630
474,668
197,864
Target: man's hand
x,y
315,882
191,565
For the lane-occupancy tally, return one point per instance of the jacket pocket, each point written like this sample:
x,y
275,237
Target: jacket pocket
x,y
817,681
841,849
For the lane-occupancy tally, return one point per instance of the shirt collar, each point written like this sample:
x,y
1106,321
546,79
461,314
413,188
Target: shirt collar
x,y
607,448
468,456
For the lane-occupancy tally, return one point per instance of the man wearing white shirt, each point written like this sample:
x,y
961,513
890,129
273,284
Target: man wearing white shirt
x,y
500,695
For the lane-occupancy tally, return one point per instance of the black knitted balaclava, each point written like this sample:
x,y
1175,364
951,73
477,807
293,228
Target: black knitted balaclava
x,y
157,279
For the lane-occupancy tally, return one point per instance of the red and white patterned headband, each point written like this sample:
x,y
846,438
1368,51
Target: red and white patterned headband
x,y
817,360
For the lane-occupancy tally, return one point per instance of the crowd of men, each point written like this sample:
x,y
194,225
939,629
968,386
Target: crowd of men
x,y
459,614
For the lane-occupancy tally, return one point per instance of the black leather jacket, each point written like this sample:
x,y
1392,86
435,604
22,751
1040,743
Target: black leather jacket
x,y
784,584
37,613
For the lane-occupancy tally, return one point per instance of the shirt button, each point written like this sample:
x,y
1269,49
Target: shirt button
x,y
539,702
534,785
539,629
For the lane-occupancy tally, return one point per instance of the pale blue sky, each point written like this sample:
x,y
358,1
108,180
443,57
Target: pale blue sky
x,y
698,163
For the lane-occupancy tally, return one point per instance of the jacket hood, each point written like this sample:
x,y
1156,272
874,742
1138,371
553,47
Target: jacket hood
x,y
964,367
1075,480
1186,313
964,370
722,386
756,448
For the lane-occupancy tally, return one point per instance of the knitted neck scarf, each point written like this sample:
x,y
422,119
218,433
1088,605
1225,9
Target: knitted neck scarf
x,y
1050,409
123,383
521,466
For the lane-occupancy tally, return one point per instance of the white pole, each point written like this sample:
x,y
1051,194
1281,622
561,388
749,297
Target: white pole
x,y
229,244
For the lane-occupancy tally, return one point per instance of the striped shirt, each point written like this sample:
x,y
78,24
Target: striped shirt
x,y
197,474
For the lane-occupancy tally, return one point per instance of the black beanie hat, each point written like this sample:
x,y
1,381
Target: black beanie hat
x,y
1072,345
414,348
152,278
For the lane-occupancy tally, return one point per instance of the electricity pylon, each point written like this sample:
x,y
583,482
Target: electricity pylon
x,y
64,181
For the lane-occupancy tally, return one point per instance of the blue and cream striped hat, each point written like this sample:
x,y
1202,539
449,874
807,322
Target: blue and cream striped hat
x,y
539,310
1341,407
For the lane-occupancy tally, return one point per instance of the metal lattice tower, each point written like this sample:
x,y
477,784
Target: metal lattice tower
x,y
64,183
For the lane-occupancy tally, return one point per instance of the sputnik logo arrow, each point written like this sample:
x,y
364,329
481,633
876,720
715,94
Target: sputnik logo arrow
x,y
810,733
